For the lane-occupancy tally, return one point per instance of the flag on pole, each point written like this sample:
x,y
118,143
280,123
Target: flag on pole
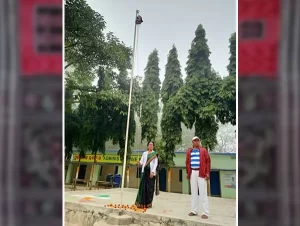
x,y
139,20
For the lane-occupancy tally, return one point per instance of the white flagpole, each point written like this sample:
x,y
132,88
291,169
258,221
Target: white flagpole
x,y
128,114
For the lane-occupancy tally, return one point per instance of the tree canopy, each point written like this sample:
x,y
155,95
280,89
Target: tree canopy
x,y
173,77
95,112
97,88
197,98
86,45
227,93
204,100
171,118
150,98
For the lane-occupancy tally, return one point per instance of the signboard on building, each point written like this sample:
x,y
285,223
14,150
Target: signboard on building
x,y
108,158
229,180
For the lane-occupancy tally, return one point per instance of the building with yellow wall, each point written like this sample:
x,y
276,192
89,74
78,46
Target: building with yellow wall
x,y
222,178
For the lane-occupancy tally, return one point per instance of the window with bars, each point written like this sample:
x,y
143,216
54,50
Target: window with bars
x,y
48,29
251,29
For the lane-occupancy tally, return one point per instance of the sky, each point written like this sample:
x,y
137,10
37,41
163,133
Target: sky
x,y
171,22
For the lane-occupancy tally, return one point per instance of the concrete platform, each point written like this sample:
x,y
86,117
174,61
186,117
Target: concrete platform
x,y
85,208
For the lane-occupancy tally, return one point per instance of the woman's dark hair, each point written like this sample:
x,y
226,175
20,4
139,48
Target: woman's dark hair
x,y
150,142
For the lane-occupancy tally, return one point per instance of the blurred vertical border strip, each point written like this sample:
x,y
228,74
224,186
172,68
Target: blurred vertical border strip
x,y
13,74
295,184
283,111
296,114
63,112
8,96
289,180
2,97
237,111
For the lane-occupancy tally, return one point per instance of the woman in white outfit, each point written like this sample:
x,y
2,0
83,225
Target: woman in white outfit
x,y
149,163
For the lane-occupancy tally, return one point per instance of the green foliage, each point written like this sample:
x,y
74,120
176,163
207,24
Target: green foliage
x,y
171,118
198,102
171,128
149,117
86,45
77,77
198,63
207,128
163,157
71,132
101,116
123,82
83,34
95,114
173,77
232,59
204,99
198,97
137,94
227,100
152,80
150,98
227,93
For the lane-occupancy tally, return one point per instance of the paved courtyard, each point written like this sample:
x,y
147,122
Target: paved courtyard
x,y
166,205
